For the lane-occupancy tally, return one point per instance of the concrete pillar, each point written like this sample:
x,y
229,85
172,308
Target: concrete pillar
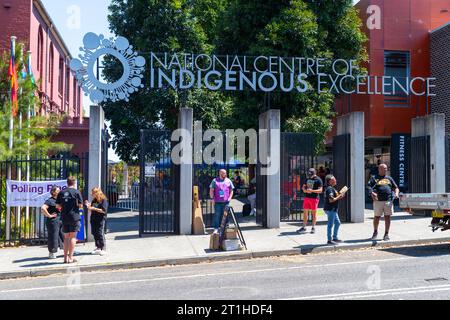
x,y
353,124
186,122
96,125
433,125
269,153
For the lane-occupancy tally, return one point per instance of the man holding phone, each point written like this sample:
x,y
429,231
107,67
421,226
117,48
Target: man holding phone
x,y
383,191
312,190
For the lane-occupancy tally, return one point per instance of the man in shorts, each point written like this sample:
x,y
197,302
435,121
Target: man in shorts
x,y
70,201
383,191
312,189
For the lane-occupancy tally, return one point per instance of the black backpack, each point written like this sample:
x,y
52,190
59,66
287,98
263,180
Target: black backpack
x,y
246,210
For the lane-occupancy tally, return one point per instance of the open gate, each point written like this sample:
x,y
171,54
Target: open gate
x,y
158,207
296,157
341,170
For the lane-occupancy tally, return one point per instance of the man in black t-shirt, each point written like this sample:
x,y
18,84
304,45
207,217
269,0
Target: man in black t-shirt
x,y
383,191
312,189
331,207
70,201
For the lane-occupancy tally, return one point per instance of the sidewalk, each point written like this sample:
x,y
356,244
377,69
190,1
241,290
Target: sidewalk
x,y
127,250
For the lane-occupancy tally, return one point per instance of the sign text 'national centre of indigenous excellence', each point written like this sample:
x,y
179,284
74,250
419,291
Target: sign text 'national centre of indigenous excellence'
x,y
276,74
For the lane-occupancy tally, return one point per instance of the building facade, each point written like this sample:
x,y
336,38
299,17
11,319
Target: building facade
x,y
58,90
399,45
440,57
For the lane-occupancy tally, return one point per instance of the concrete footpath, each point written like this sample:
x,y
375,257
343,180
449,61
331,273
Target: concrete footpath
x,y
127,250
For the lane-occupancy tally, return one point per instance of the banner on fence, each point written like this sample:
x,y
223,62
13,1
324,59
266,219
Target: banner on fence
x,y
30,194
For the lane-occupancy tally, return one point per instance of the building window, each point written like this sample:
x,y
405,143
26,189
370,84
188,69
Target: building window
x,y
75,92
67,93
40,54
397,65
61,76
51,70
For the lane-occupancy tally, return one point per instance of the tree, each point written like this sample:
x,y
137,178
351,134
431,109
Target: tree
x,y
160,26
38,130
308,28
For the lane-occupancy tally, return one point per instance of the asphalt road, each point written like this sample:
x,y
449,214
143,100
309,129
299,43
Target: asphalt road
x,y
399,273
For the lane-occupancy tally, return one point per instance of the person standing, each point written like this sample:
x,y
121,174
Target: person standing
x,y
99,210
70,202
383,191
221,191
331,208
312,189
53,223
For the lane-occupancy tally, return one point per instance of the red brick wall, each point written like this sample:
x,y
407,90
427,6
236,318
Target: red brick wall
x,y
405,26
14,21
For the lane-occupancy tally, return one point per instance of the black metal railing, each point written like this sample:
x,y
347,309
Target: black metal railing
x,y
26,225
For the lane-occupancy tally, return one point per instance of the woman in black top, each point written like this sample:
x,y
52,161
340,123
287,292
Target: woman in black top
x,y
53,223
98,209
331,207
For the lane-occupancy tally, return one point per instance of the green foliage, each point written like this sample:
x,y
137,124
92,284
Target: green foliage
x,y
308,28
39,129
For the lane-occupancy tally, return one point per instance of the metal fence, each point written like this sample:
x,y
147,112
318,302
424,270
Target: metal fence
x,y
25,225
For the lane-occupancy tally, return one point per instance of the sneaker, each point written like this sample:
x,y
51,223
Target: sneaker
x,y
216,231
386,237
102,252
331,243
96,251
313,230
52,256
301,230
374,236
337,240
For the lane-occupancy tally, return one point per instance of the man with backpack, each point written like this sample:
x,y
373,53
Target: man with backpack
x,y
70,201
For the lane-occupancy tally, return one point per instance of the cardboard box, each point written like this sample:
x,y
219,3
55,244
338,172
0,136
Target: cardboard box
x,y
231,245
214,242
231,234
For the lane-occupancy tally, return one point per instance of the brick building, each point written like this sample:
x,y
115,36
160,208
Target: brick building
x,y
440,60
401,47
59,92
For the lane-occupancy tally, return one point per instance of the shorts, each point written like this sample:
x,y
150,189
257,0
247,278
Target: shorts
x,y
310,204
381,208
71,228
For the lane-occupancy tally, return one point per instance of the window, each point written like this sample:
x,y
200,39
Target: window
x,y
67,93
397,65
51,70
61,76
40,54
75,92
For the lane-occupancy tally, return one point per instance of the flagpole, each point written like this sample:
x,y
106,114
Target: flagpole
x,y
11,132
27,212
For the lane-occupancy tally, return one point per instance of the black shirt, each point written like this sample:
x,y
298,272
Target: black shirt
x,y
384,186
51,204
330,193
314,184
101,205
70,199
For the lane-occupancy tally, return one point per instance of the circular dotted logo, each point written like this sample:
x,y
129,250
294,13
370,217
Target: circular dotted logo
x,y
96,46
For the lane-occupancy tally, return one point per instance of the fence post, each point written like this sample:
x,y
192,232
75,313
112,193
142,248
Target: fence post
x,y
96,126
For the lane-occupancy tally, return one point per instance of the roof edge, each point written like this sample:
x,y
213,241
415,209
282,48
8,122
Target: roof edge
x,y
441,27
46,16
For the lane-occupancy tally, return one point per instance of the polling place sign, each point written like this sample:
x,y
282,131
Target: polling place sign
x,y
30,194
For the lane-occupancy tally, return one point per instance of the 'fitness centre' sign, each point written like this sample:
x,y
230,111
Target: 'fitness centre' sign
x,y
231,73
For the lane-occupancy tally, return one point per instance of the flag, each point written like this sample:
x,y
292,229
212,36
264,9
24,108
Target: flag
x,y
12,71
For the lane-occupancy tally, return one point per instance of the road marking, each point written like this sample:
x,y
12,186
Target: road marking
x,y
221,274
374,293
